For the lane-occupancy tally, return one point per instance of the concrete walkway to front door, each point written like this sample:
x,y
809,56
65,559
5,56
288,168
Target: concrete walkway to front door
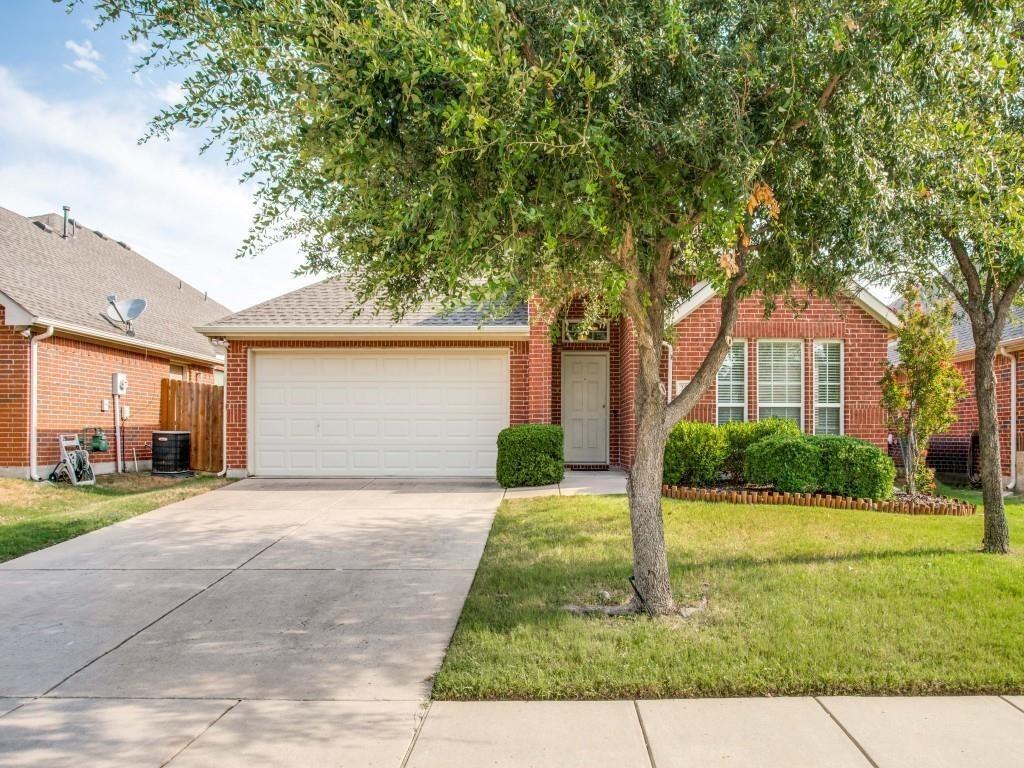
x,y
285,623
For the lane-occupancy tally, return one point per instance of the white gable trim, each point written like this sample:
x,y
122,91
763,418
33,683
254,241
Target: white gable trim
x,y
14,313
702,293
878,309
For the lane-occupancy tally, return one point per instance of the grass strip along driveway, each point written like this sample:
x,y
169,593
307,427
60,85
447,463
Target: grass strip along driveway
x,y
37,515
801,601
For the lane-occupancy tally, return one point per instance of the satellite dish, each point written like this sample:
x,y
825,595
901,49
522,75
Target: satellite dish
x,y
125,311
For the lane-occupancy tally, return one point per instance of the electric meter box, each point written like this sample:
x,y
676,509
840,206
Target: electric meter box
x,y
119,384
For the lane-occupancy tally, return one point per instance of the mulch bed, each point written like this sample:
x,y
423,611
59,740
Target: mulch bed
x,y
919,504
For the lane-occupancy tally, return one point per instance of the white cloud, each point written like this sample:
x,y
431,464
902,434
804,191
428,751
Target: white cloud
x,y
87,58
138,47
170,93
188,214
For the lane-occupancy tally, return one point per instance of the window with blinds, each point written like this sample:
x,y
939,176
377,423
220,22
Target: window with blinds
x,y
780,380
828,388
732,385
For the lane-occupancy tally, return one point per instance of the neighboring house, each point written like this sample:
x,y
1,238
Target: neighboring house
x,y
949,452
314,389
54,284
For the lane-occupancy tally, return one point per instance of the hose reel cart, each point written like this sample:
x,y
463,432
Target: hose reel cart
x,y
74,466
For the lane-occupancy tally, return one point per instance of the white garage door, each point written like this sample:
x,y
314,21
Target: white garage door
x,y
431,413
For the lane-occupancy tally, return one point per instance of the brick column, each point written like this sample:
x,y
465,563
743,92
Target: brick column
x,y
236,389
539,365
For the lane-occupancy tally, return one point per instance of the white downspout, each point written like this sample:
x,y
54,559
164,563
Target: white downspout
x,y
224,427
1013,417
117,434
668,388
33,404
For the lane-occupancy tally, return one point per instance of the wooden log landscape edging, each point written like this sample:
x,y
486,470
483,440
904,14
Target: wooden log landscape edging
x,y
947,506
198,408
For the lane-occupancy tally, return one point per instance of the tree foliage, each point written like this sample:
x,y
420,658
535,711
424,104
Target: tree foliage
x,y
948,136
490,151
921,390
452,150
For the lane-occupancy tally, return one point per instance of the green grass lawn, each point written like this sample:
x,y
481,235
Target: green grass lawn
x,y
36,515
973,495
801,601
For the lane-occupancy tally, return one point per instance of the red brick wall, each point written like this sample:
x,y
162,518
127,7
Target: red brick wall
x,y
967,409
14,353
74,377
521,400
864,350
540,389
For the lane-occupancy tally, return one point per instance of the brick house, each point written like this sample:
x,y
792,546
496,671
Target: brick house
x,y
952,453
55,277
314,389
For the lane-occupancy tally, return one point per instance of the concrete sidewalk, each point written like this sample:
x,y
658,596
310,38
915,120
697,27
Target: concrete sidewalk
x,y
838,732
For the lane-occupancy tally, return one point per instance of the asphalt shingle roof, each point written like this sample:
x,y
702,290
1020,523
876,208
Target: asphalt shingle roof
x,y
965,340
68,281
332,303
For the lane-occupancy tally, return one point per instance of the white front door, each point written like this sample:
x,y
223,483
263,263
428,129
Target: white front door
x,y
585,407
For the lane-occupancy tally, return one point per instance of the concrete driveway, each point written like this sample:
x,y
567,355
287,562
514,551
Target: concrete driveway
x,y
267,623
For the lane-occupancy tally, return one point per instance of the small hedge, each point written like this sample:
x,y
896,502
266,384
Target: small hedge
x,y
694,454
530,454
740,435
790,463
855,468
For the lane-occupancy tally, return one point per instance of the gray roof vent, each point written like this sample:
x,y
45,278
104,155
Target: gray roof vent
x,y
123,244
43,226
99,234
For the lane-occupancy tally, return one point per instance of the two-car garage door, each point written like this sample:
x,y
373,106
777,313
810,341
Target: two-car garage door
x,y
373,412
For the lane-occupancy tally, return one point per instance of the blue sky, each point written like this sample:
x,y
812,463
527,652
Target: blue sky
x,y
71,112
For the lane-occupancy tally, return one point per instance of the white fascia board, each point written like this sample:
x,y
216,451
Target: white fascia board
x,y
69,329
499,332
874,306
701,294
871,304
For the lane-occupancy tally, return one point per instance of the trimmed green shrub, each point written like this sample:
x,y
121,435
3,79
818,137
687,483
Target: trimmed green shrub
x,y
530,454
852,467
790,463
694,454
740,435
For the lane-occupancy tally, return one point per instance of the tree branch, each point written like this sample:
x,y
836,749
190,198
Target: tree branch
x,y
963,260
1006,301
961,299
686,400
823,101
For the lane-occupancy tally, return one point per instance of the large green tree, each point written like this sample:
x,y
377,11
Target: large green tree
x,y
495,150
949,135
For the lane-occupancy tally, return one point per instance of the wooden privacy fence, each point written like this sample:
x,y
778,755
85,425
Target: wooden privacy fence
x,y
198,408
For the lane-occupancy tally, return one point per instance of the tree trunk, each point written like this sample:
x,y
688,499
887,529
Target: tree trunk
x,y
910,458
650,560
997,532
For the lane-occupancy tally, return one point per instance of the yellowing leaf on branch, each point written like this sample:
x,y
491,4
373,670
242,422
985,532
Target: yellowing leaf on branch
x,y
763,196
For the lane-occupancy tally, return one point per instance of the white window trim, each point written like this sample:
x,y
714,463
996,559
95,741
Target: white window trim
x,y
803,380
746,384
842,386
602,325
